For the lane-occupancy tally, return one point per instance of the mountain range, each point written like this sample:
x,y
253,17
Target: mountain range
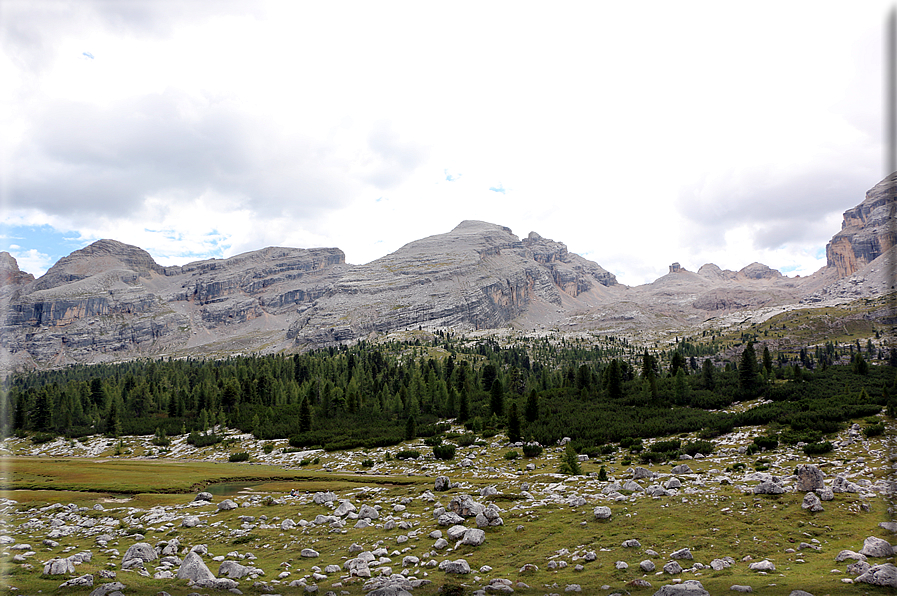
x,y
111,301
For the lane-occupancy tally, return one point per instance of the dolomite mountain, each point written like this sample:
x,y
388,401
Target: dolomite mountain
x,y
111,301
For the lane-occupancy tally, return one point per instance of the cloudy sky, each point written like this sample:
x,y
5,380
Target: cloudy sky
x,y
637,133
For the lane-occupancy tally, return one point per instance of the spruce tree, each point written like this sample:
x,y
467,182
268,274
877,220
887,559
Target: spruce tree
x,y
570,462
747,371
531,413
304,416
497,398
513,423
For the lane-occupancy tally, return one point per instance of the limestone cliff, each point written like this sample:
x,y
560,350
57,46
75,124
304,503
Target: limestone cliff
x,y
867,231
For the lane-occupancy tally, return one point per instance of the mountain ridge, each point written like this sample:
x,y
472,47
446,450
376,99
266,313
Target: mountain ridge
x,y
111,300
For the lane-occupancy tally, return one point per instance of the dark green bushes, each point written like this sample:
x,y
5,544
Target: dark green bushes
x,y
237,457
445,452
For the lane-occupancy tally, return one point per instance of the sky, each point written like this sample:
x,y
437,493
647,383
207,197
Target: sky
x,y
637,133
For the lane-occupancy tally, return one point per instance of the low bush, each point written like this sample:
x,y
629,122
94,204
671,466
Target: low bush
x,y
241,456
202,440
769,442
39,438
408,454
466,440
510,455
445,452
818,448
368,463
702,447
532,450
874,430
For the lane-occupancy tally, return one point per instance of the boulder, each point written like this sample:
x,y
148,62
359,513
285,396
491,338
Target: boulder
x,y
740,588
681,469
203,496
190,521
672,568
234,570
324,497
458,566
876,547
226,505
843,485
309,553
442,483
845,555
647,566
690,587
474,537
764,565
672,483
880,575
193,568
140,550
812,503
104,589
602,512
768,488
345,508
449,519
682,553
85,581
59,566
368,512
639,473
809,478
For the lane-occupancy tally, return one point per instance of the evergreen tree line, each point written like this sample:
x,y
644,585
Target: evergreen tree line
x,y
375,395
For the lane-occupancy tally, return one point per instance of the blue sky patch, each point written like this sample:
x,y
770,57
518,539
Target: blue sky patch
x,y
500,188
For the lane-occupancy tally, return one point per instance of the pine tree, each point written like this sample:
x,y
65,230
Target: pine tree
x,y
304,416
463,411
767,360
570,462
747,371
113,418
707,370
410,428
513,423
614,379
531,413
497,398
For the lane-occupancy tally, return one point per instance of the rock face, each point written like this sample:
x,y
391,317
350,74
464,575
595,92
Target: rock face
x,y
866,232
477,276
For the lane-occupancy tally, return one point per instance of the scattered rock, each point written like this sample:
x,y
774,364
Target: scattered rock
x,y
203,496
602,512
876,547
812,502
689,587
442,483
880,575
809,478
226,505
193,568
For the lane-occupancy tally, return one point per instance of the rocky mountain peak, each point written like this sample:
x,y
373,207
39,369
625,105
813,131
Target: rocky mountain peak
x,y
758,271
99,257
867,231
10,275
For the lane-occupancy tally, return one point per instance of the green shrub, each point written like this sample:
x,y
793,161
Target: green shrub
x,y
408,454
241,456
268,447
657,456
512,455
702,447
818,448
531,450
39,438
607,449
368,463
769,442
466,440
793,437
874,430
202,440
316,461
445,452
664,446
433,441
244,539
304,462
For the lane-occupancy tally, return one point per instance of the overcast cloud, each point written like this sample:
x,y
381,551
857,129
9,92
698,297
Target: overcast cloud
x,y
637,134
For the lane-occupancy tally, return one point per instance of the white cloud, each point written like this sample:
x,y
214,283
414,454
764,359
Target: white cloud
x,y
635,134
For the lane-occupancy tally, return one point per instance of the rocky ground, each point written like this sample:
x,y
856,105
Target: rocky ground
x,y
481,521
